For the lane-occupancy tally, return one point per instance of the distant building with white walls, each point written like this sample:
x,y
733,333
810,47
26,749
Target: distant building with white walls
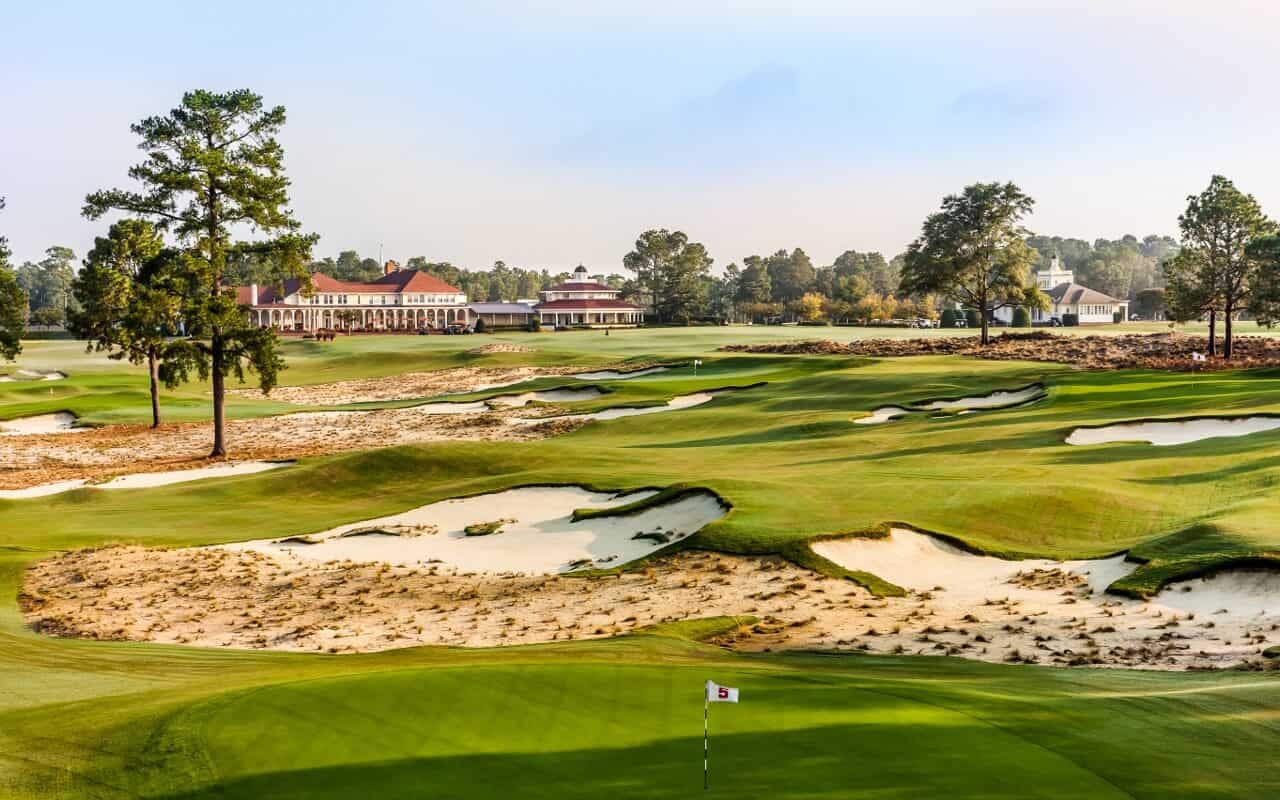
x,y
1068,297
402,299
584,301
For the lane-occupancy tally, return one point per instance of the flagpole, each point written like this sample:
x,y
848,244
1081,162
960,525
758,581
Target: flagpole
x,y
705,704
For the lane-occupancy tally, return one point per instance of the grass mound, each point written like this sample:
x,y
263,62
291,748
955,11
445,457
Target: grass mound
x,y
698,630
662,497
486,528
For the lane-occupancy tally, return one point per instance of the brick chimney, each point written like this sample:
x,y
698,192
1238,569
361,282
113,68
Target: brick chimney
x,y
390,267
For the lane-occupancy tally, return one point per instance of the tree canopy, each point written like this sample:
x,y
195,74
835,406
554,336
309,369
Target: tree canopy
x,y
974,251
671,273
214,168
1217,268
130,296
13,305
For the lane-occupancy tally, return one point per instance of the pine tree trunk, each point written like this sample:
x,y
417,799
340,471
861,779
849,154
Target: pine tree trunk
x,y
1213,329
982,312
153,369
1226,333
219,397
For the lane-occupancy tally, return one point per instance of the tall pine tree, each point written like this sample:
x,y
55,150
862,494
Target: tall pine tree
x,y
212,168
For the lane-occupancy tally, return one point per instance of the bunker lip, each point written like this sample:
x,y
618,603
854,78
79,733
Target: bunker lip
x,y
540,534
882,414
677,403
995,400
1164,431
146,480
57,422
621,375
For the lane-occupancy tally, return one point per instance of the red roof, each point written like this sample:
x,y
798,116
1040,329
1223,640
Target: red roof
x,y
586,302
405,280
412,280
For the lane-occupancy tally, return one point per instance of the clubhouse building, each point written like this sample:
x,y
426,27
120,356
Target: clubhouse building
x,y
402,299
411,300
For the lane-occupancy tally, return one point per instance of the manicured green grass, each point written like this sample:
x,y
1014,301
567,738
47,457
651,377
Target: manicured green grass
x,y
622,717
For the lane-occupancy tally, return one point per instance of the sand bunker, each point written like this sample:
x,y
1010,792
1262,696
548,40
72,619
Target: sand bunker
x,y
537,535
615,375
1027,611
145,480
1163,434
998,399
500,347
882,414
549,396
477,406
33,375
1056,611
57,422
674,404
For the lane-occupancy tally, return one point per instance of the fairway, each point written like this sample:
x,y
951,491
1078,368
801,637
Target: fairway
x,y
620,715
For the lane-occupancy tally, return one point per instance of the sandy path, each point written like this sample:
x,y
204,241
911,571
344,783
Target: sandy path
x,y
223,598
125,449
409,385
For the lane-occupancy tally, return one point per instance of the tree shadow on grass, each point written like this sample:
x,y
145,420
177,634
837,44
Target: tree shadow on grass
x,y
960,758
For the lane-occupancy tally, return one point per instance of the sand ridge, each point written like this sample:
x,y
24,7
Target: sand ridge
x,y
1022,613
113,450
411,385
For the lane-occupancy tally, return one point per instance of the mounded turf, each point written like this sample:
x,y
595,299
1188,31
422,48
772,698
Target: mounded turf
x,y
622,717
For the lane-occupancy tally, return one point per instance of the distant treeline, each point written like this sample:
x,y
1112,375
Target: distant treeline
x,y
856,286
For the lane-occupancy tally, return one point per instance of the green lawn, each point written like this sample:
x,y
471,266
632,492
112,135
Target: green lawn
x,y
622,717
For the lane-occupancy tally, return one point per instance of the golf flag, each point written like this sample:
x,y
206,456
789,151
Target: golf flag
x,y
720,694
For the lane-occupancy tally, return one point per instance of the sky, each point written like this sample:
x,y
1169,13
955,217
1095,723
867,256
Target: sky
x,y
552,133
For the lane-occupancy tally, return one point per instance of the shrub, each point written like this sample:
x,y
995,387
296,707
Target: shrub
x,y
972,318
535,324
1070,320
949,317
1021,318
1116,316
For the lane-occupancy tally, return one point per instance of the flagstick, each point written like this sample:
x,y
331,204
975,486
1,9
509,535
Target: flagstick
x,y
705,704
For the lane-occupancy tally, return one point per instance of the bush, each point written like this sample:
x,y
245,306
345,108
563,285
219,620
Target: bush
x,y
535,324
1021,318
1116,316
972,318
949,317
1070,320
480,326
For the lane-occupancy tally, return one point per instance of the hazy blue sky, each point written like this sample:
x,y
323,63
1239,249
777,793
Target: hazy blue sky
x,y
548,133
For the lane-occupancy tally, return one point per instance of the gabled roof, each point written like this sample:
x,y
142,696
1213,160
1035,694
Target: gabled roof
x,y
1074,294
412,280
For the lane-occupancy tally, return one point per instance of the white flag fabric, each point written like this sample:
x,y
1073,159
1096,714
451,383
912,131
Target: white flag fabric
x,y
721,694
